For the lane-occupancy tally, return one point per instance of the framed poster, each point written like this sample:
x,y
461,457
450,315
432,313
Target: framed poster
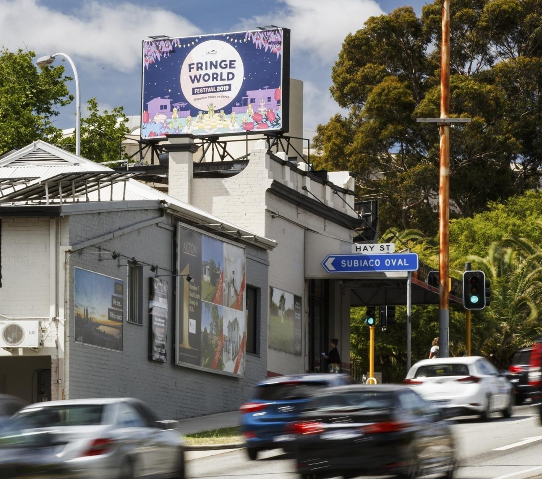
x,y
211,307
98,309
285,315
158,315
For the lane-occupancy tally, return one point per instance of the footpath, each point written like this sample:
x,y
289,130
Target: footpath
x,y
208,423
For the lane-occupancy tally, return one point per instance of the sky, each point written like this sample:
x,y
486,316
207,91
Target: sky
x,y
103,38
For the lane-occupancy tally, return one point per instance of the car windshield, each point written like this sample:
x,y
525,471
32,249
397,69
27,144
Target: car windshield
x,y
288,390
56,416
437,370
354,401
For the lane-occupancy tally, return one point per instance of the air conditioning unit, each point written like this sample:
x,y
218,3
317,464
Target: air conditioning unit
x,y
20,334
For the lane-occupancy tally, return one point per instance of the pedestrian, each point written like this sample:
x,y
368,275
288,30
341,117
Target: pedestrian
x,y
332,358
433,353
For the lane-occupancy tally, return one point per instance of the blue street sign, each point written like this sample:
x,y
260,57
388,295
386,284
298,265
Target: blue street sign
x,y
370,263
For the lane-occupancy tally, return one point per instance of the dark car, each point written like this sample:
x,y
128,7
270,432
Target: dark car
x,y
373,430
518,375
275,404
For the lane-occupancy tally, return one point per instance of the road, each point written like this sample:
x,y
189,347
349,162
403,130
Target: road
x,y
499,449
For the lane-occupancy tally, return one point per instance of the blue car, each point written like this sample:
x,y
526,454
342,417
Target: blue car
x,y
276,403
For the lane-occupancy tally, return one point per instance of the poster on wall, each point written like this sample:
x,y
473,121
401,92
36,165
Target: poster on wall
x,y
98,309
158,314
220,84
210,308
285,313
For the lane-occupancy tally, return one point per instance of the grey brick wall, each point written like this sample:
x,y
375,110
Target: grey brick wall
x,y
173,391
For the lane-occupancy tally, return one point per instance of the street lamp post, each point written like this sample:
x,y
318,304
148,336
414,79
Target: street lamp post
x,y
46,61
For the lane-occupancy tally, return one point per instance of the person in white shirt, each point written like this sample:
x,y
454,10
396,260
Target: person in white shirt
x,y
434,349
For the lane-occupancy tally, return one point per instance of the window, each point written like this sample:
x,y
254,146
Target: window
x,y
129,417
252,100
268,99
253,320
163,107
135,294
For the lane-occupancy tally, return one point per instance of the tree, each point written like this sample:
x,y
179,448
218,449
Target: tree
x,y
101,134
29,98
388,74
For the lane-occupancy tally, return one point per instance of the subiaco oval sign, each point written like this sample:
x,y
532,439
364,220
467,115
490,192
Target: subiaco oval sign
x,y
212,73
370,263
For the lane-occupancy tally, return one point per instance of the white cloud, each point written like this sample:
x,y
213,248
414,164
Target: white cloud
x,y
319,26
105,34
318,106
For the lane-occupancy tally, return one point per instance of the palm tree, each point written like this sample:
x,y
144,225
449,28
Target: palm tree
x,y
514,268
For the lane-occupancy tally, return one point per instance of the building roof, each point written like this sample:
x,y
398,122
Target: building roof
x,y
42,167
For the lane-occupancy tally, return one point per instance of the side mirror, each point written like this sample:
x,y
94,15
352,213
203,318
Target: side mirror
x,y
167,425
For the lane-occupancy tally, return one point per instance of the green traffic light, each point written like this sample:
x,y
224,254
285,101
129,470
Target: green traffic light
x,y
474,299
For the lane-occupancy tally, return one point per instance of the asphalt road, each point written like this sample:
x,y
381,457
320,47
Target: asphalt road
x,y
499,449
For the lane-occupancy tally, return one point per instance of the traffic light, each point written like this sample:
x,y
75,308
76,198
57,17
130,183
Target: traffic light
x,y
383,323
433,279
387,316
370,316
390,315
487,291
474,284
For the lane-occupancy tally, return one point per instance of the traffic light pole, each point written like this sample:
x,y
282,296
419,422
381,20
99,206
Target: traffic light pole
x,y
468,317
371,351
409,321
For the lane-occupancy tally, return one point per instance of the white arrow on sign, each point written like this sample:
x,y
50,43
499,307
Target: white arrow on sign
x,y
329,263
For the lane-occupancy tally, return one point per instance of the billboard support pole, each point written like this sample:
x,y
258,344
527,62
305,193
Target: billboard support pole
x,y
409,321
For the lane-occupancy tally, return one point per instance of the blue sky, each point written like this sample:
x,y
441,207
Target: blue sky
x,y
104,39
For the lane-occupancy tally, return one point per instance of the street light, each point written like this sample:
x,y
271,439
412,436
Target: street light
x,y
45,62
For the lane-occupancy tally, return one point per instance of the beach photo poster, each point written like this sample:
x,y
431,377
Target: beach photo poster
x,y
98,309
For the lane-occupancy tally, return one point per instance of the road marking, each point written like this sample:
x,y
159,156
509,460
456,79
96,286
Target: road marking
x,y
520,472
520,443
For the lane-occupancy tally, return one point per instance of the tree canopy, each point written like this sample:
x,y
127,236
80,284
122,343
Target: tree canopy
x,y
388,75
29,101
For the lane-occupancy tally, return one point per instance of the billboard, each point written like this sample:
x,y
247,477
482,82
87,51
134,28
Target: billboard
x,y
158,313
98,309
210,309
285,315
222,84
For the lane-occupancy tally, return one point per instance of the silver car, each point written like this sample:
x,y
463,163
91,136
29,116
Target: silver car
x,y
90,438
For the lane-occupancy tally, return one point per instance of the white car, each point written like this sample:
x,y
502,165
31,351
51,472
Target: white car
x,y
90,439
463,386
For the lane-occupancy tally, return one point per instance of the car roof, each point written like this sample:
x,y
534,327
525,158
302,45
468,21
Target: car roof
x,y
82,402
459,360
317,377
366,387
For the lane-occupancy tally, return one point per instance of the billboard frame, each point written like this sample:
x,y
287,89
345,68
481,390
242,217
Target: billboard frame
x,y
285,90
179,282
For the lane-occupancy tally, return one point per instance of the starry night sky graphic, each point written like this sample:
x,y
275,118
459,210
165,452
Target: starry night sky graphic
x,y
162,78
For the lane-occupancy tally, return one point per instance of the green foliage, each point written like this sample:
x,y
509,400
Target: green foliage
x,y
101,134
388,74
28,100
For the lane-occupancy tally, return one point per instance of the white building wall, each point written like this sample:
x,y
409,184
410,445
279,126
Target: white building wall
x,y
25,289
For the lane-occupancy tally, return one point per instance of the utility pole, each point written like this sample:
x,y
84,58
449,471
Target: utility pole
x,y
444,123
370,379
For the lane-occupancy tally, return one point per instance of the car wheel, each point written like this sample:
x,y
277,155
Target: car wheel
x,y
181,473
540,413
509,409
127,470
414,469
486,413
252,453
